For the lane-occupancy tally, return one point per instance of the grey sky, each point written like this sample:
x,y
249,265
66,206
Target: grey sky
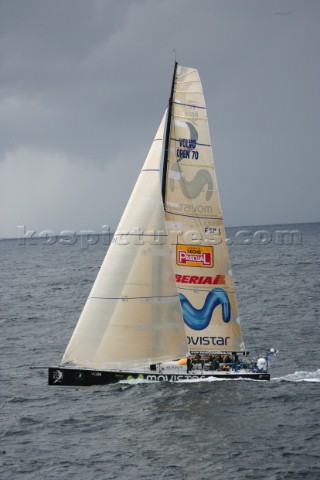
x,y
84,84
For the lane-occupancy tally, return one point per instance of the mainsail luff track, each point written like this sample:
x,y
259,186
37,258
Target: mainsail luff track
x,y
167,135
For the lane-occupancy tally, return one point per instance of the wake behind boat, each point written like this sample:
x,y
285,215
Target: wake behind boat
x,y
163,306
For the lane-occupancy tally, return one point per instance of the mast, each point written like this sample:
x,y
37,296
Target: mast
x,y
167,135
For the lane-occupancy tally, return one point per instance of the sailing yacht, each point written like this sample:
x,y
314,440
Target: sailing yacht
x,y
163,306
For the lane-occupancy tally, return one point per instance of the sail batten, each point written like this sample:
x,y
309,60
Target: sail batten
x,y
134,298
189,105
195,217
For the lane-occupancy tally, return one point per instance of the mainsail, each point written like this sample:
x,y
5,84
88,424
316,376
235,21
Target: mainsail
x,y
132,316
195,224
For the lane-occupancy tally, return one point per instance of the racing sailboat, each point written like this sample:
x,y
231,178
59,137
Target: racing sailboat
x,y
163,306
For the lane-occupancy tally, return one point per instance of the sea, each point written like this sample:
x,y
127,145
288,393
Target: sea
x,y
197,430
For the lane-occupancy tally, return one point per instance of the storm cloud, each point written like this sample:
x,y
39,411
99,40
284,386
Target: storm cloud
x,y
84,86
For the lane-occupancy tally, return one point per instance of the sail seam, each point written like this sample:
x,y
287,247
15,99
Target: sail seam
x,y
216,285
124,298
190,118
194,216
197,143
195,92
141,234
187,73
185,82
189,105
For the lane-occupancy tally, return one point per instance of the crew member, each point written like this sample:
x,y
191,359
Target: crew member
x,y
189,364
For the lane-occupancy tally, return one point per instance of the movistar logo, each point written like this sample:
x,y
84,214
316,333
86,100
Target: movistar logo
x,y
192,189
200,319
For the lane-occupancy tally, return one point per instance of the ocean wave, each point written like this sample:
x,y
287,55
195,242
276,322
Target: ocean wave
x,y
301,376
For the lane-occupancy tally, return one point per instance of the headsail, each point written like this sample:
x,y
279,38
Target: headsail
x,y
195,224
133,315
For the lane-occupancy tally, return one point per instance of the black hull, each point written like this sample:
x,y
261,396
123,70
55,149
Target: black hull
x,y
86,378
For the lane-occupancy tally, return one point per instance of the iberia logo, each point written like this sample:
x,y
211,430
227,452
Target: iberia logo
x,y
197,280
195,256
